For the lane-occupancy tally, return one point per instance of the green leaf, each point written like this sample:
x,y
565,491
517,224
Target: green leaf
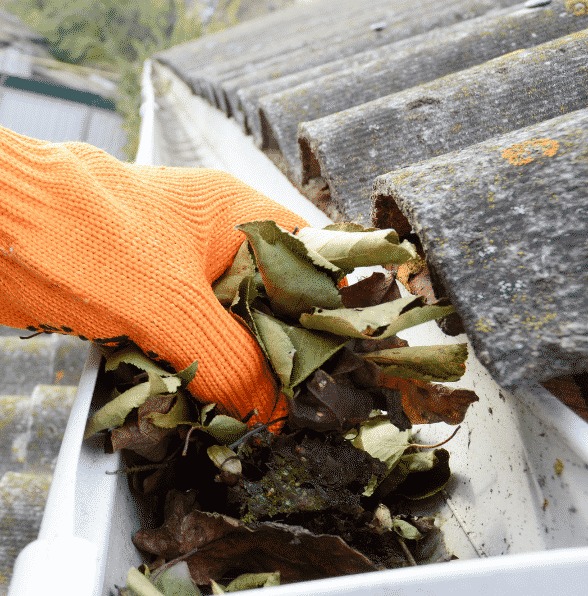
x,y
375,322
134,356
176,581
419,461
250,581
140,585
306,350
241,306
178,414
421,484
295,278
227,286
348,248
225,429
204,411
382,440
187,375
278,346
312,351
225,459
113,414
441,363
405,530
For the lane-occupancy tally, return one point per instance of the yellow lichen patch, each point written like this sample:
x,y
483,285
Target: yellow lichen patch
x,y
483,325
558,467
59,376
9,405
534,323
577,7
521,154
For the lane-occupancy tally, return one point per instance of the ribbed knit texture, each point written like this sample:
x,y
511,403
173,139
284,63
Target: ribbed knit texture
x,y
95,247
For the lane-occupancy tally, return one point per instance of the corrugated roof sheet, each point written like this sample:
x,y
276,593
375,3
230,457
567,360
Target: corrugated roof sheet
x,y
505,224
301,36
350,148
340,94
395,67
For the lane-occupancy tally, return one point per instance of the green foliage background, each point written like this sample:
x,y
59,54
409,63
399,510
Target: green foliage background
x,y
114,35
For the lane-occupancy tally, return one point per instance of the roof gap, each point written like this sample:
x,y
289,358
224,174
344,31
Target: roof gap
x,y
310,164
312,183
268,138
387,214
223,102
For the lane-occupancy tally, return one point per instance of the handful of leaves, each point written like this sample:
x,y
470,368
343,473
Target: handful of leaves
x,y
333,347
346,454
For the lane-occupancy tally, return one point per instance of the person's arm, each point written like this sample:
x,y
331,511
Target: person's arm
x,y
94,247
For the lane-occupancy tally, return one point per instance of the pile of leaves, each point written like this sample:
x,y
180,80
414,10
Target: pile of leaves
x,y
234,507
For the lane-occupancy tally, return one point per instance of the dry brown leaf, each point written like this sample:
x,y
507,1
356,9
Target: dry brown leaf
x,y
426,403
568,391
222,544
417,278
414,276
141,435
370,291
329,404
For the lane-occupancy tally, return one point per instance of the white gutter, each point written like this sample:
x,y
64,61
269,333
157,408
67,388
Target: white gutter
x,y
145,151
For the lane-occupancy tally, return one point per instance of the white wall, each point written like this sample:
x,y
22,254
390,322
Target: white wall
x,y
54,119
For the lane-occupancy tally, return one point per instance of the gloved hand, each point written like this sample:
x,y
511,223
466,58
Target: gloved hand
x,y
106,250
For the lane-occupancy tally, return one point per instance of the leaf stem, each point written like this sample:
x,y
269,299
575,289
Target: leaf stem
x,y
171,563
437,444
187,441
411,560
31,336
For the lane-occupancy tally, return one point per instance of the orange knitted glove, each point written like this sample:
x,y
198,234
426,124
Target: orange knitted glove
x,y
107,250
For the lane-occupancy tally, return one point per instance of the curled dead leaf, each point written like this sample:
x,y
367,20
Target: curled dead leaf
x,y
427,403
372,290
218,544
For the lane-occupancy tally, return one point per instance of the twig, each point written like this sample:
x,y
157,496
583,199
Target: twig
x,y
254,431
187,441
437,444
411,560
143,468
250,415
